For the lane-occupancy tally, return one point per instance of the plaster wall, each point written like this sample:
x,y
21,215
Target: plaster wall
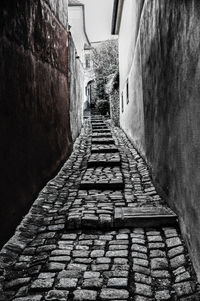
x,y
34,115
131,111
76,22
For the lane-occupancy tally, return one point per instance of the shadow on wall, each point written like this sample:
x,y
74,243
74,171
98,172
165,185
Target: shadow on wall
x,y
171,75
34,116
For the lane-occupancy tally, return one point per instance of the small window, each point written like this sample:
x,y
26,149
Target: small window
x,y
122,100
127,92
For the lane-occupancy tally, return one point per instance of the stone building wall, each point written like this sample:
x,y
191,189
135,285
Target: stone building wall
x,y
112,89
34,102
76,89
166,65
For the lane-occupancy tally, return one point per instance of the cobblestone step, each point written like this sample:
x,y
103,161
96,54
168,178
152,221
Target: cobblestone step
x,y
101,130
104,159
100,126
109,148
144,217
101,135
103,141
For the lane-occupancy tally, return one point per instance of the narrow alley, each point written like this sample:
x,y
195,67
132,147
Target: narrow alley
x,y
100,150
98,231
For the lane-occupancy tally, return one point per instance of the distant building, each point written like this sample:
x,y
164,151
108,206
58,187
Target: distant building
x,y
83,47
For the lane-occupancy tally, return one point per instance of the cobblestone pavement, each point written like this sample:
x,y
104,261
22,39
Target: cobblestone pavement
x,y
98,231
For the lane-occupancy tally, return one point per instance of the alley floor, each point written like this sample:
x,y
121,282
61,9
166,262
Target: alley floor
x,y
98,231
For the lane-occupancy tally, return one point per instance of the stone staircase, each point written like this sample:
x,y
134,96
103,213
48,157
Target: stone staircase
x,y
102,199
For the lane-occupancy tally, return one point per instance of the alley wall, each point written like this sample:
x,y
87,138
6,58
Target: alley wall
x,y
76,88
131,93
165,106
34,99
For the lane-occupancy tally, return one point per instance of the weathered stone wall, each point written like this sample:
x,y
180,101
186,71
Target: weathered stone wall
x,y
168,72
34,113
112,89
76,89
114,106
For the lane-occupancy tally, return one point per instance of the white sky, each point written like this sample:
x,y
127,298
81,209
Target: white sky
x,y
98,19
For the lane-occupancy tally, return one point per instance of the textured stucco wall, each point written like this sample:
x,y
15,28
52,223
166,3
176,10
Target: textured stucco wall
x,y
170,47
34,105
76,89
169,74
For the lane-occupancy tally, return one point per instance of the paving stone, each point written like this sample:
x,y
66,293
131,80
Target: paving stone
x,y
17,282
103,260
143,289
82,295
163,295
184,288
65,283
177,261
92,283
182,277
122,253
97,253
141,269
173,242
175,251
142,262
141,278
110,294
159,263
55,266
69,274
90,274
42,284
157,253
55,295
77,266
46,275
100,267
160,274
60,258
117,282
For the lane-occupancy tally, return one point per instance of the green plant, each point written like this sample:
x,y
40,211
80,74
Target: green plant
x,y
103,107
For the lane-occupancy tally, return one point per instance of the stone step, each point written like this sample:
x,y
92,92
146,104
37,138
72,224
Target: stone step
x,y
104,159
101,130
87,185
115,218
144,217
101,135
97,123
103,141
102,148
94,163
